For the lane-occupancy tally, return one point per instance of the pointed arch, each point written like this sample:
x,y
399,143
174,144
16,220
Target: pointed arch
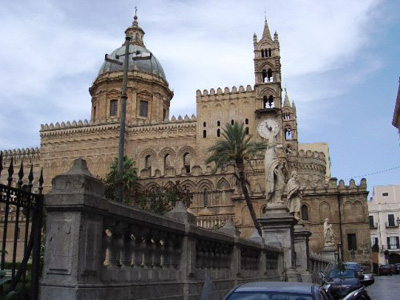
x,y
324,211
223,184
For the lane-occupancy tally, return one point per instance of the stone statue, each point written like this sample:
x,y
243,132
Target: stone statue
x,y
328,233
294,195
274,177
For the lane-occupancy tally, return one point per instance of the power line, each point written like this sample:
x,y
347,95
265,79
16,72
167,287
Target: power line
x,y
374,173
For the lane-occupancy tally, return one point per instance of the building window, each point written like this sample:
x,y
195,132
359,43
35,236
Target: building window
x,y
167,162
113,108
218,133
304,212
164,114
186,162
374,241
351,241
391,220
232,122
393,242
385,194
204,133
147,162
247,130
218,123
143,108
371,222
204,124
246,121
205,198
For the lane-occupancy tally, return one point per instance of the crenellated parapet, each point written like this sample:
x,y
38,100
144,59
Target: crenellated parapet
x,y
29,154
332,186
225,94
311,164
111,126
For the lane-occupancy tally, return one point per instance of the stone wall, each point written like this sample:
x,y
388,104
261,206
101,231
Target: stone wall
x,y
100,249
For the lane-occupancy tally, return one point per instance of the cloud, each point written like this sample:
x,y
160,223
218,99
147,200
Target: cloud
x,y
54,50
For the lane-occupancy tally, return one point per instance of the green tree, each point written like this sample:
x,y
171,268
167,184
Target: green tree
x,y
128,183
157,199
236,148
161,199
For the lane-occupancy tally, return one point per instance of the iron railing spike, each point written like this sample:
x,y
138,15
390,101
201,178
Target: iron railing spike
x,y
21,174
10,172
30,178
41,181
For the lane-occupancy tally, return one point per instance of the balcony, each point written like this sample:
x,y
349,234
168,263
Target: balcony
x,y
373,225
392,225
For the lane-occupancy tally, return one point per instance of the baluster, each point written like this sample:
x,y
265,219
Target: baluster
x,y
115,249
106,247
156,259
163,249
146,247
129,243
138,254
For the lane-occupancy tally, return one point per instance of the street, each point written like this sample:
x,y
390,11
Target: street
x,y
385,287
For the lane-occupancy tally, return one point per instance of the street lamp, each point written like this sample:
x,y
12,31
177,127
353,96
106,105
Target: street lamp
x,y
137,56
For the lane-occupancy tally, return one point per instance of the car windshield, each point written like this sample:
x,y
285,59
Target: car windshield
x,y
268,296
349,273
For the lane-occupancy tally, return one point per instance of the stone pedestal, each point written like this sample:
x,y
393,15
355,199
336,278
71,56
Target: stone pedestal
x,y
302,253
329,252
278,231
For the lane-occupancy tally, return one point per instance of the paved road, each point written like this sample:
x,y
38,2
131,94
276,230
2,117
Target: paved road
x,y
385,287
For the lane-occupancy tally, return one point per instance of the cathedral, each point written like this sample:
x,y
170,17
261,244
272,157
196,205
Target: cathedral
x,y
167,149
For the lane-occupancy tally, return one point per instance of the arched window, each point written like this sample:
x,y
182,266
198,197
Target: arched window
x,y
205,198
167,162
288,134
204,124
304,212
264,75
269,75
247,130
147,162
232,122
218,123
268,102
262,52
246,121
113,108
204,133
269,52
186,162
218,132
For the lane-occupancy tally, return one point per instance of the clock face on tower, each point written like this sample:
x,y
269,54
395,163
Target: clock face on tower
x,y
268,128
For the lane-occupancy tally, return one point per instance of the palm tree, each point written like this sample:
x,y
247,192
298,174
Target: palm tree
x,y
236,148
129,180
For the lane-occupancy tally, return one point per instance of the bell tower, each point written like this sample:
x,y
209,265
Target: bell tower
x,y
267,71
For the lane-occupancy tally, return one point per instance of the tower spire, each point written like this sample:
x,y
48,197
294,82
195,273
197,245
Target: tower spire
x,y
266,33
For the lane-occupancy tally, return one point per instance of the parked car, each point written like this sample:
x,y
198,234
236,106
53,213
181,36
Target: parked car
x,y
385,270
365,278
339,283
397,268
269,290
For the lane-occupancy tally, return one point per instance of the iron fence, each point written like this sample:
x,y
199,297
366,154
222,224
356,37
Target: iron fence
x,y
21,208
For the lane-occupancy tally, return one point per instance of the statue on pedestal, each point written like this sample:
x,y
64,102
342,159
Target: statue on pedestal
x,y
274,177
328,233
294,195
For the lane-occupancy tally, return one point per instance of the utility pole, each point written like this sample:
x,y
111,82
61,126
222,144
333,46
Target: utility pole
x,y
121,145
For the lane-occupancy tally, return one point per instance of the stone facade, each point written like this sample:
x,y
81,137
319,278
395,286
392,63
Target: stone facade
x,y
167,149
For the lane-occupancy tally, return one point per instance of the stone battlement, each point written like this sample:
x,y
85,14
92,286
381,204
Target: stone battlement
x,y
17,154
333,186
113,121
226,93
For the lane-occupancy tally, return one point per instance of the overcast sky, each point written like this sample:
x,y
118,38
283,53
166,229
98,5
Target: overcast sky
x,y
340,63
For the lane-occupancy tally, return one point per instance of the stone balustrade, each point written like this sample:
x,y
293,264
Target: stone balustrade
x,y
100,249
